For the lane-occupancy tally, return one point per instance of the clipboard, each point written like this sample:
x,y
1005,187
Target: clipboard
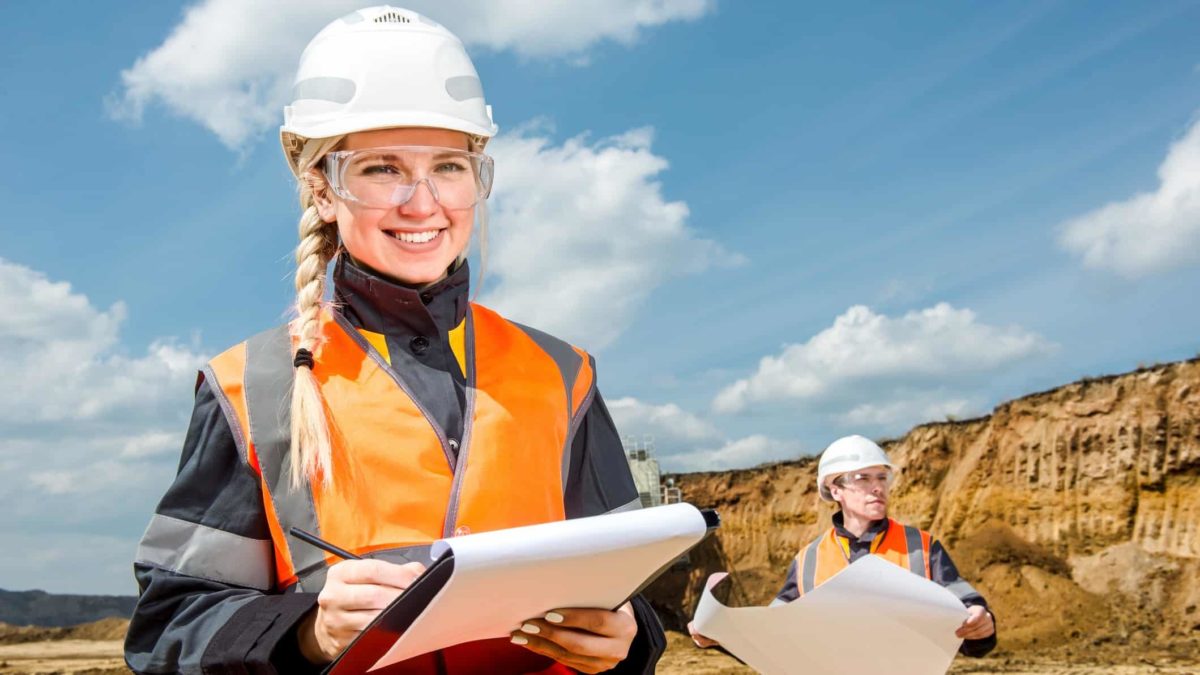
x,y
375,641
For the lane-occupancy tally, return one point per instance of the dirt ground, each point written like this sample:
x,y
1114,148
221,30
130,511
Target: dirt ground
x,y
103,657
684,659
68,657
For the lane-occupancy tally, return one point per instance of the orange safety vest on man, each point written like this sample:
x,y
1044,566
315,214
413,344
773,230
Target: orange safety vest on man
x,y
400,483
829,553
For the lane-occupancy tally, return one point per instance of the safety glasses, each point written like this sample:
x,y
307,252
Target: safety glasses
x,y
387,177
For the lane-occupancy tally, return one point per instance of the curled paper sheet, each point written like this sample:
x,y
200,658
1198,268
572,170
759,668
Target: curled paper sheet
x,y
500,579
871,617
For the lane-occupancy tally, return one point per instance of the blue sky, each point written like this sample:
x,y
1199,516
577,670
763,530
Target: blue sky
x,y
774,223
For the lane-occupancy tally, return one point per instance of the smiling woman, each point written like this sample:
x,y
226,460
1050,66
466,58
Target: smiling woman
x,y
397,414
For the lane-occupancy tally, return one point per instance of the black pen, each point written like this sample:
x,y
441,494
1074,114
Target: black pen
x,y
322,544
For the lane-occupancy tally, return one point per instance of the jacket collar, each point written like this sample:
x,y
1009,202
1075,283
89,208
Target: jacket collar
x,y
873,530
372,302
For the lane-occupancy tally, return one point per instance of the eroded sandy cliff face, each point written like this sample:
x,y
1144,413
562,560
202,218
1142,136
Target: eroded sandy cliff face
x,y
1075,511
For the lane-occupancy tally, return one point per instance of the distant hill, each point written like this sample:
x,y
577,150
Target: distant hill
x,y
39,608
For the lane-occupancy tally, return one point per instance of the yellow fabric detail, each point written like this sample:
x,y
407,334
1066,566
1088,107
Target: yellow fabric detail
x,y
457,345
845,543
458,337
378,342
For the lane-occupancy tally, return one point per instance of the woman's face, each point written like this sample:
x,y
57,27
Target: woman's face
x,y
377,237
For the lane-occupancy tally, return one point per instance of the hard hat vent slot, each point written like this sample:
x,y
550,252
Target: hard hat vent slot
x,y
392,17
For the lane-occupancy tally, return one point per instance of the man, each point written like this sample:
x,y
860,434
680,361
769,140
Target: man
x,y
857,474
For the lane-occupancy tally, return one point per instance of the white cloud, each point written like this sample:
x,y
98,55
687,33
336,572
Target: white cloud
x,y
582,233
90,434
666,423
1151,231
916,406
228,64
684,441
869,368
63,360
736,454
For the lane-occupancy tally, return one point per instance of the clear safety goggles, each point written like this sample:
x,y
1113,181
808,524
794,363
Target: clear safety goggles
x,y
865,481
387,177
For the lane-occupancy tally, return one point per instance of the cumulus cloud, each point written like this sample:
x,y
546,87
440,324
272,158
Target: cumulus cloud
x,y
735,454
667,422
684,441
228,64
91,434
869,368
582,233
1150,231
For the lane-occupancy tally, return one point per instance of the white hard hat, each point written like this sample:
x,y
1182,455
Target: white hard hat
x,y
383,67
846,454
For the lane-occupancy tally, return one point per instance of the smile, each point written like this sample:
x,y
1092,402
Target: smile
x,y
415,237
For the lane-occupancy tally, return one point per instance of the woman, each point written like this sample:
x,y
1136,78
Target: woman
x,y
856,473
395,415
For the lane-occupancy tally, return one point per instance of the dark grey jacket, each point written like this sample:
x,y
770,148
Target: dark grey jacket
x,y
220,621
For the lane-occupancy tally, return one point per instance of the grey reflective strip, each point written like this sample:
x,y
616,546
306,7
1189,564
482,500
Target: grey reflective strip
x,y
207,553
569,443
961,589
809,576
916,554
268,384
312,579
464,449
403,554
235,425
569,365
633,505
332,89
463,87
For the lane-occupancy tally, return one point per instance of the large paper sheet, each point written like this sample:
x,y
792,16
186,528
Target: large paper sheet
x,y
871,617
503,578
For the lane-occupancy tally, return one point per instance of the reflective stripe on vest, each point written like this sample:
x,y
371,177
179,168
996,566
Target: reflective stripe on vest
x,y
824,557
398,485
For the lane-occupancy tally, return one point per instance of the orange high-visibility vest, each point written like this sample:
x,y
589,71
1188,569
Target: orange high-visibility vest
x,y
400,483
901,544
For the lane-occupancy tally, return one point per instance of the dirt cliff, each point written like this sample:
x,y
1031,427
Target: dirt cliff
x,y
1075,511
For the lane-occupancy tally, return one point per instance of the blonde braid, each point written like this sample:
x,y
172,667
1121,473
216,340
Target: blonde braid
x,y
311,437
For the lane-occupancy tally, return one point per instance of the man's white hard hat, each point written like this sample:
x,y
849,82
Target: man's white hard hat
x,y
383,67
847,454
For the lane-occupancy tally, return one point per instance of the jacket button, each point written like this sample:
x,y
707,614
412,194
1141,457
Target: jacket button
x,y
427,297
461,530
419,344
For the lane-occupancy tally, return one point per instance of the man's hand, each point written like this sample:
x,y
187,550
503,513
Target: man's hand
x,y
979,624
588,640
699,639
355,592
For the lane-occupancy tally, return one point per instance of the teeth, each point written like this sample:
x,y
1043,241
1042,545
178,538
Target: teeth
x,y
416,237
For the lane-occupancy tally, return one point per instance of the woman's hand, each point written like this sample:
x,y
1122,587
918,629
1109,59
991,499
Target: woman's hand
x,y
699,639
355,592
588,640
979,624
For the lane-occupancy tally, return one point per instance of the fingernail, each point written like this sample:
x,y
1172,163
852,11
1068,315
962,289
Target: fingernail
x,y
554,617
520,640
531,629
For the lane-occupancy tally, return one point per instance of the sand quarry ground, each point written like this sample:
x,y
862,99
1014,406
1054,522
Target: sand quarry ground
x,y
22,651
